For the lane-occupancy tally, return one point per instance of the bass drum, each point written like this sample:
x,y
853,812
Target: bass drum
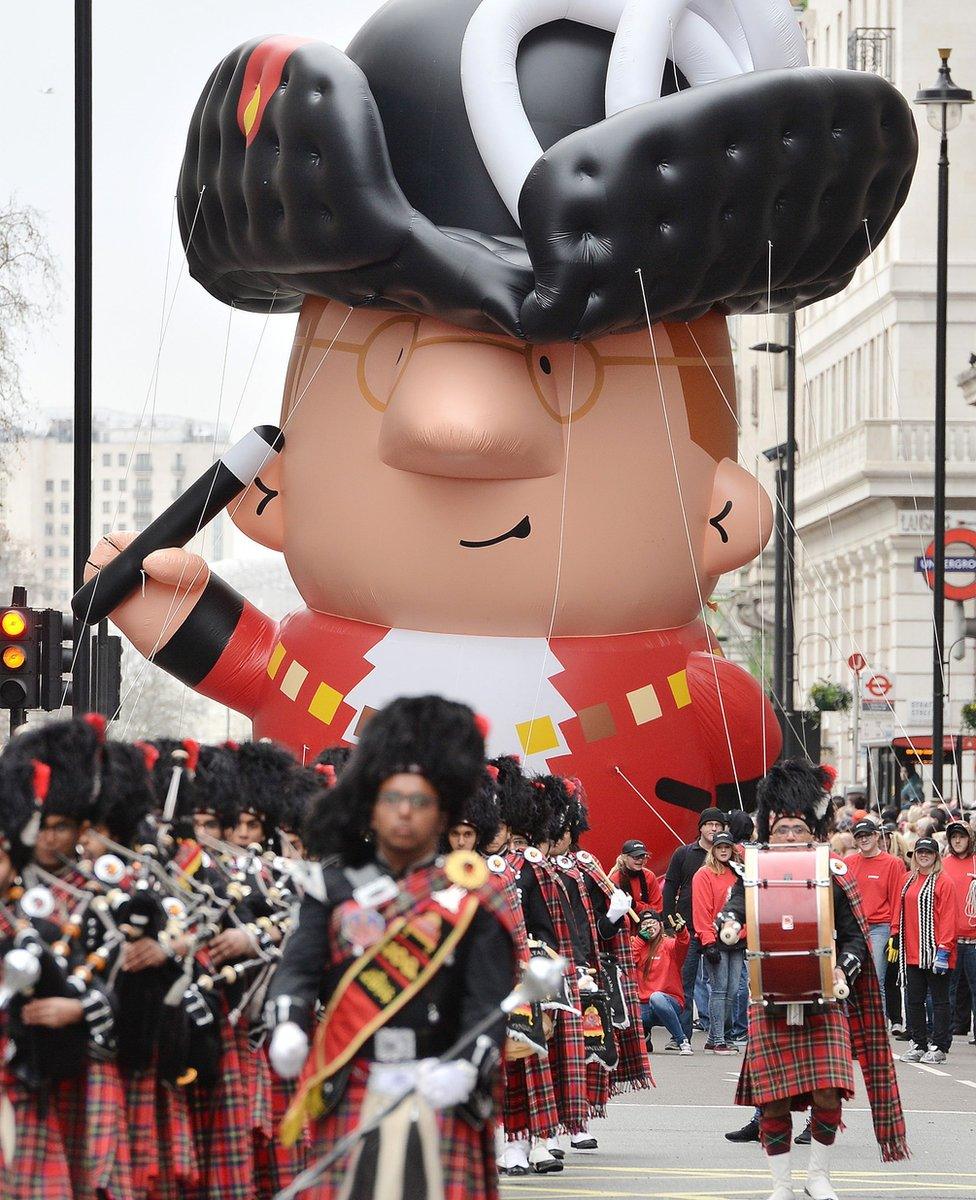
x,y
789,924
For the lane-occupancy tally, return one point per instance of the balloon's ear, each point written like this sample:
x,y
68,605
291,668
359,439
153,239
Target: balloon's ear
x,y
740,519
258,513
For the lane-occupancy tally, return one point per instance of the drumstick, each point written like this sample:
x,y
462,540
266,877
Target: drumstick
x,y
234,471
609,882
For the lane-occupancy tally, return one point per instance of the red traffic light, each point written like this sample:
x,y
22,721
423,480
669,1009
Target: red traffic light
x,y
13,623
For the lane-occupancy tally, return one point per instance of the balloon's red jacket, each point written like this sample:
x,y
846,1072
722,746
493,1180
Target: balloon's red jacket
x,y
663,726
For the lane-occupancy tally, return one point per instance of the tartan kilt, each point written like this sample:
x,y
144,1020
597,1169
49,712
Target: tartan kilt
x,y
567,1063
222,1124
140,1111
39,1167
90,1110
597,1088
176,1151
790,1061
277,1165
528,1101
467,1155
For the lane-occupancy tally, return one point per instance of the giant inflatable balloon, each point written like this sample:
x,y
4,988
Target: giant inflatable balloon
x,y
513,230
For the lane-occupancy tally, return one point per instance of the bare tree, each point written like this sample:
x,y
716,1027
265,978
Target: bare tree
x,y
27,278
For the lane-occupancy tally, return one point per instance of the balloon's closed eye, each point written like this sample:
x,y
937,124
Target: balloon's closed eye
x,y
269,495
717,520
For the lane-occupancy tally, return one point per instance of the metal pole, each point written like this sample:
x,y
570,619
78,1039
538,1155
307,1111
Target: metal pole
x,y
81,675
779,591
938,571
856,729
789,665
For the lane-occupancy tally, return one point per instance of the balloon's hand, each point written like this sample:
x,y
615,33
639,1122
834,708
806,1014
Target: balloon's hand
x,y
172,583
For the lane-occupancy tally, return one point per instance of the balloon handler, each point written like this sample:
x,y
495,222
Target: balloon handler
x,y
789,1067
406,951
510,436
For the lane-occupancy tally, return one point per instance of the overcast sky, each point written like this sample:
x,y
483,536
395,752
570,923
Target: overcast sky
x,y
150,64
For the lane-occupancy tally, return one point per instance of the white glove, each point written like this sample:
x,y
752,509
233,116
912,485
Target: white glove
x,y
586,982
288,1050
445,1084
619,904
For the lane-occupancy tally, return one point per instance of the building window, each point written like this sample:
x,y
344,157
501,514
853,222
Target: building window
x,y
106,506
49,507
106,460
178,464
65,530
177,488
48,551
106,528
122,485
106,485
62,551
65,485
63,574
143,462
121,460
49,485
65,509
870,48
121,507
49,529
48,573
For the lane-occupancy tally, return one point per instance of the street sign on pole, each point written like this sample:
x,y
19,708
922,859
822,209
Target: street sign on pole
x,y
857,662
877,692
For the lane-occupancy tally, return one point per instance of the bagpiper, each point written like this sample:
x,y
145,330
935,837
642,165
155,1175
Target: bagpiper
x,y
407,953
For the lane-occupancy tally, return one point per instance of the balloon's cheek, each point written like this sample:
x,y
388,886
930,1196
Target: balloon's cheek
x,y
740,519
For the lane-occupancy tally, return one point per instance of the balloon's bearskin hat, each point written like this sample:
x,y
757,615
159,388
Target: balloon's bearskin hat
x,y
478,161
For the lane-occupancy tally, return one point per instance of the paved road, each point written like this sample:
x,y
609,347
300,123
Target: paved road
x,y
667,1144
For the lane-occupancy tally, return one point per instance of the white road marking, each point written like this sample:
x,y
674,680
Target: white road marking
x,y
966,1083
930,1070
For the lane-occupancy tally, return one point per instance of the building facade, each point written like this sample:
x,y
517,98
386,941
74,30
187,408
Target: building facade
x,y
865,402
135,475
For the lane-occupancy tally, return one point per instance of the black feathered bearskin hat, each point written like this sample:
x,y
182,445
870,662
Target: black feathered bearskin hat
x,y
519,807
23,787
504,171
126,795
74,751
794,788
171,753
481,810
215,787
439,739
266,773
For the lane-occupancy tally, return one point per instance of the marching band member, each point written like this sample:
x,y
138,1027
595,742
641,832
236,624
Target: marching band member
x,y
793,1067
416,951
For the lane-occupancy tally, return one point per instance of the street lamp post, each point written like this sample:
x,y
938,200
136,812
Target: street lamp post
x,y
943,108
784,669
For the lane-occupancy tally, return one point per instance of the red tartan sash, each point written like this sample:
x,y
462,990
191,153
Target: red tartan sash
x,y
374,988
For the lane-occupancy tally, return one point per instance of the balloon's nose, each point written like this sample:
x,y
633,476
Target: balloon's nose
x,y
468,410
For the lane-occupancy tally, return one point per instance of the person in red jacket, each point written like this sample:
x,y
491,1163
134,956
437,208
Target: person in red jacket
x,y
632,876
658,959
926,921
959,867
879,877
709,892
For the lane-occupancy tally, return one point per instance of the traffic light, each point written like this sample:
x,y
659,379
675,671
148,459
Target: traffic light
x,y
19,655
56,661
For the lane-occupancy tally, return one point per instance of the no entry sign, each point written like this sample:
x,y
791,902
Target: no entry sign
x,y
857,662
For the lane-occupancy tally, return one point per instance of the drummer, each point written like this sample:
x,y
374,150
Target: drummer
x,y
794,1067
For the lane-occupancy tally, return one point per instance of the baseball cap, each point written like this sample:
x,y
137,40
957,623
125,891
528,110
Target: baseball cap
x,y
723,839
634,847
927,843
958,827
865,825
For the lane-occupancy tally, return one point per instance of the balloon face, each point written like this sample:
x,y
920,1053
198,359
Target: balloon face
x,y
436,478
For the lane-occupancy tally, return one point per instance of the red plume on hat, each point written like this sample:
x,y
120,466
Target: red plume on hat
x,y
40,782
482,724
328,773
150,755
828,773
492,770
97,722
192,749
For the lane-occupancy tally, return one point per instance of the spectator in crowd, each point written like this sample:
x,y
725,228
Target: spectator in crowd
x,y
678,899
658,959
632,876
912,791
925,942
879,877
842,844
959,867
710,890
